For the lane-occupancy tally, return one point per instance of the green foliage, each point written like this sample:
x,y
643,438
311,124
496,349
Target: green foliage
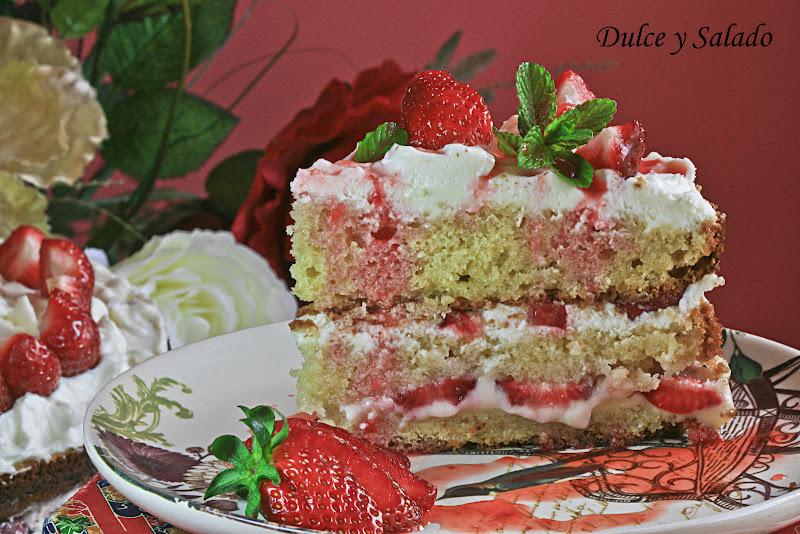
x,y
137,125
250,467
73,524
378,142
466,69
138,417
229,182
148,53
76,18
546,140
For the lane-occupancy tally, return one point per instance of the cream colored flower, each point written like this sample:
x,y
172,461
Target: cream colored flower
x,y
20,204
50,121
25,41
205,284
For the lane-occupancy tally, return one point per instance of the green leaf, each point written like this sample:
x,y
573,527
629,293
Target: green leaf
x,y
568,140
378,142
537,96
148,8
573,169
261,420
148,53
533,152
269,472
593,115
75,18
445,53
472,65
508,142
281,436
231,449
253,499
137,125
229,182
227,481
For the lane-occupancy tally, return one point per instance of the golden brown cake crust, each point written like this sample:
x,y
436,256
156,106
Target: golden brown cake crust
x,y
41,481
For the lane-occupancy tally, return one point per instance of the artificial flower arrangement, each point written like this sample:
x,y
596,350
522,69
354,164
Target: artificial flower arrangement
x,y
75,119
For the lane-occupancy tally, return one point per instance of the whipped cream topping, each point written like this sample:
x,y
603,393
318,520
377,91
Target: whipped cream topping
x,y
131,330
422,185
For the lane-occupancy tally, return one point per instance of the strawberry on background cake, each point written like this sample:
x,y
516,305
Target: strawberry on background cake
x,y
67,327
541,283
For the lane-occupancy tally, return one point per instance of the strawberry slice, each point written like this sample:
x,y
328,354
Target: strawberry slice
x,y
543,394
70,332
19,256
452,390
65,266
616,147
391,462
439,110
317,491
683,395
6,398
467,325
547,314
571,91
30,367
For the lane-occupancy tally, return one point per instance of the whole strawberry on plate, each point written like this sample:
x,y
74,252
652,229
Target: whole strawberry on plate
x,y
308,474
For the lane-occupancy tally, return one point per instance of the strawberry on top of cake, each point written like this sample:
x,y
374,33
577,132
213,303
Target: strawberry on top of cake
x,y
67,327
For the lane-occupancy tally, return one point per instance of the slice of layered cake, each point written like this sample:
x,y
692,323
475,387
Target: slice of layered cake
x,y
541,283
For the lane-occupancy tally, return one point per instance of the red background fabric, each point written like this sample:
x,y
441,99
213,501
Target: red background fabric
x,y
734,111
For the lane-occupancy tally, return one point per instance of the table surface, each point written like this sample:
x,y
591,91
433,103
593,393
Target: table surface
x,y
98,508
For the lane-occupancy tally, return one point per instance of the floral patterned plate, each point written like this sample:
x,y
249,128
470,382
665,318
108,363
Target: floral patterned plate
x,y
148,430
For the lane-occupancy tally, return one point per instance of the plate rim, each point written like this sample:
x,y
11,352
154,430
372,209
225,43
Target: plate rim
x,y
721,520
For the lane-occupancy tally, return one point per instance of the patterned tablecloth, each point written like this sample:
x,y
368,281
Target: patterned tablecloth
x,y
98,508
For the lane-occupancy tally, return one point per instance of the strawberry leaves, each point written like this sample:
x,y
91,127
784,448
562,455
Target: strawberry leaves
x,y
546,140
378,142
250,466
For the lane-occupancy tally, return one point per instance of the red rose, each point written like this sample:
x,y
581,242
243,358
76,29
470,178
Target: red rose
x,y
329,129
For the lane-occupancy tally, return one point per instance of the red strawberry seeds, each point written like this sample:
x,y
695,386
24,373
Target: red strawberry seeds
x,y
65,266
19,256
30,367
332,480
71,333
439,110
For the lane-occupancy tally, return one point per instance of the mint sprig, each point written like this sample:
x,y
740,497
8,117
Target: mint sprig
x,y
250,467
378,142
546,140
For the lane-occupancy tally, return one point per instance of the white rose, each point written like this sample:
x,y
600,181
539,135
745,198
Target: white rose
x,y
51,123
206,284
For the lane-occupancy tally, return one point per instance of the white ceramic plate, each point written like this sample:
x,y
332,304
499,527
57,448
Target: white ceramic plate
x,y
147,433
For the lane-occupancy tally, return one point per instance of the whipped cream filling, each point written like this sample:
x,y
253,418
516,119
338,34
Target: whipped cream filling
x,y
509,322
131,330
486,395
422,185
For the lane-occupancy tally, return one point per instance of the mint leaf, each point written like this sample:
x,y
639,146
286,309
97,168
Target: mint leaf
x,y
508,142
378,142
537,96
76,18
565,141
250,467
573,169
533,152
137,124
593,115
